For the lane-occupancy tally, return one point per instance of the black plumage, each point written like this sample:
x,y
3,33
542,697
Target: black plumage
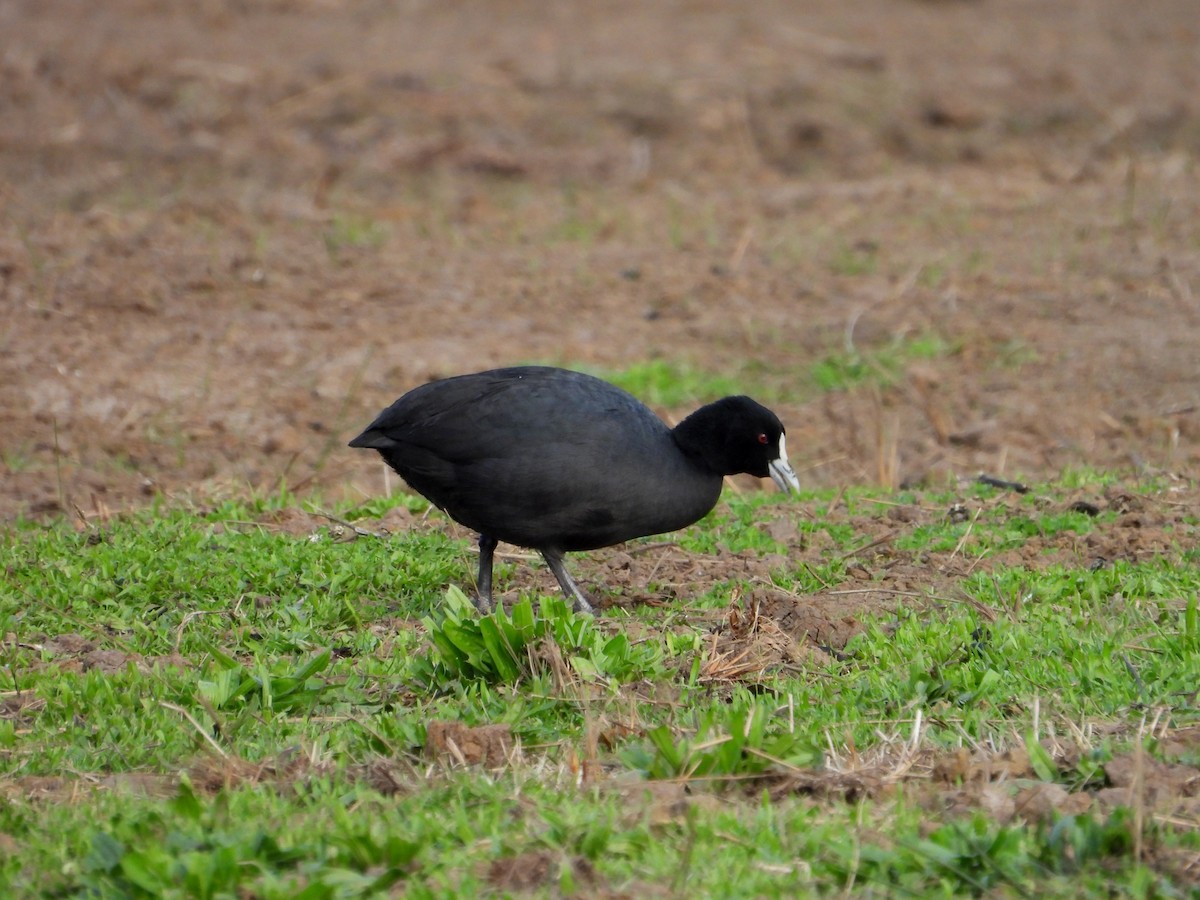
x,y
560,461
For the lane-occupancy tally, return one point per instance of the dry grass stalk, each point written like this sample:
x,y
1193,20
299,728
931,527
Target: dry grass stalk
x,y
887,447
962,541
750,646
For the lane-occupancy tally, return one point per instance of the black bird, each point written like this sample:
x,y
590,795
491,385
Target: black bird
x,y
557,461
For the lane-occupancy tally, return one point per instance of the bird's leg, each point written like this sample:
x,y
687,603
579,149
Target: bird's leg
x,y
555,561
487,549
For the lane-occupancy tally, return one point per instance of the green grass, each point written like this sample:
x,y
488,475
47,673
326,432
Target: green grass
x,y
193,703
670,384
17,459
861,259
354,232
883,366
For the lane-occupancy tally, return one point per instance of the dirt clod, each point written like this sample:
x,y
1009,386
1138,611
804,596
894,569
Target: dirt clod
x,y
1043,801
537,869
454,743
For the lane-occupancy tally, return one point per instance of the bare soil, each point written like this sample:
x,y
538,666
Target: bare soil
x,y
232,231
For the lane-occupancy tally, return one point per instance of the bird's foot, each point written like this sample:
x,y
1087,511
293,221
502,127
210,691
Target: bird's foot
x,y
569,588
582,606
483,600
485,605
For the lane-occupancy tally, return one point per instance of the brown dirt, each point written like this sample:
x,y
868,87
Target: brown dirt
x,y
455,743
958,782
233,231
537,869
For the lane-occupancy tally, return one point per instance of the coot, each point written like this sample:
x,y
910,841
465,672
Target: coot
x,y
557,460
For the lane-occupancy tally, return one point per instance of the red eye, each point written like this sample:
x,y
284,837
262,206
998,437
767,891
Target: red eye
x,y
762,437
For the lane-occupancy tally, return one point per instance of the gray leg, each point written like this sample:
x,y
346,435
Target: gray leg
x,y
487,548
555,561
